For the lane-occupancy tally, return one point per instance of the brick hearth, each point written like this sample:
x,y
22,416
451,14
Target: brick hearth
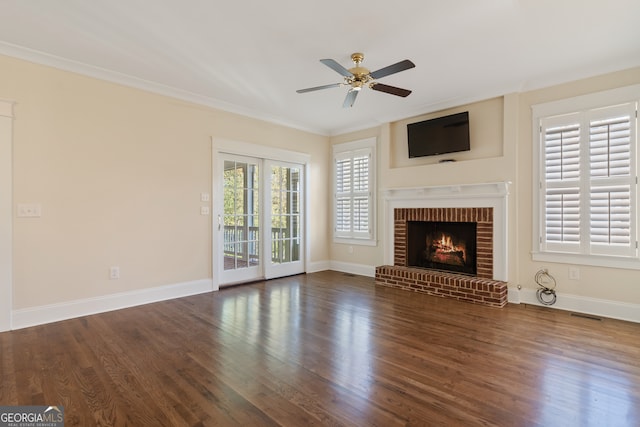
x,y
480,289
441,284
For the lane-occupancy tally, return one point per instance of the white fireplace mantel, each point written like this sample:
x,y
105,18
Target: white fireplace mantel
x,y
492,189
492,195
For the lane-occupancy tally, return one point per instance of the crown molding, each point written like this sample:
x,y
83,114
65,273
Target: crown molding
x,y
54,61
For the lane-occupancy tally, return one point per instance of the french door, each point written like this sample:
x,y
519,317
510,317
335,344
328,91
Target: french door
x,y
283,216
239,220
259,219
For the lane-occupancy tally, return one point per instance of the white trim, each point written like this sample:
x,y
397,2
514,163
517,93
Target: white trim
x,y
586,305
359,269
585,102
306,226
6,214
26,317
594,260
316,266
513,295
361,242
492,195
228,146
355,145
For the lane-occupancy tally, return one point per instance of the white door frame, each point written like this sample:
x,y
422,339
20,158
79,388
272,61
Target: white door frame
x,y
6,214
225,146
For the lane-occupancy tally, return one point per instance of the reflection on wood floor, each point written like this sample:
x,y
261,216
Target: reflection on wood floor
x,y
327,349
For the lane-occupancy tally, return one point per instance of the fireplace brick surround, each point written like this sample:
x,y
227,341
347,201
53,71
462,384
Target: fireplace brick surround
x,y
480,289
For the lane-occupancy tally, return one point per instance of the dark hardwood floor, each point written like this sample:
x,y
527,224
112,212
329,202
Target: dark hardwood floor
x,y
327,349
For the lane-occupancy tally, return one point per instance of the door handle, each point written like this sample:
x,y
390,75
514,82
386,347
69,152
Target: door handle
x,y
219,222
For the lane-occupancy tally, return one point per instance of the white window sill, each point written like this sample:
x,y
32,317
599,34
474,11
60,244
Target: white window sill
x,y
594,260
361,242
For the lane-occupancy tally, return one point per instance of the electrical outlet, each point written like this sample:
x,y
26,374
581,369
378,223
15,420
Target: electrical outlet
x,y
114,273
204,210
29,210
574,273
205,197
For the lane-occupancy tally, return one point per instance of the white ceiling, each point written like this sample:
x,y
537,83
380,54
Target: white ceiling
x,y
250,56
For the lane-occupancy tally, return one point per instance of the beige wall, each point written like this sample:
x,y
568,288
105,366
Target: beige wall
x,y
501,150
119,173
485,130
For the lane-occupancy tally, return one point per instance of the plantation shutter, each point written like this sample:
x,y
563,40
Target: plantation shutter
x,y
609,213
612,180
353,195
343,196
562,215
562,152
561,164
361,193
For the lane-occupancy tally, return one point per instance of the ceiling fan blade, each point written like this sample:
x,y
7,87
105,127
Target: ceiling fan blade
x,y
350,99
391,89
311,89
336,67
392,69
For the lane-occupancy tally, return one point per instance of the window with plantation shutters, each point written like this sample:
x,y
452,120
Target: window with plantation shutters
x,y
353,191
587,181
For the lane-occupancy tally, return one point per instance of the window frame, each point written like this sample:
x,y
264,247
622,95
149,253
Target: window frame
x,y
351,150
584,108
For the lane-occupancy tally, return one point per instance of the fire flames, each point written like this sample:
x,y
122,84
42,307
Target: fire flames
x,y
444,250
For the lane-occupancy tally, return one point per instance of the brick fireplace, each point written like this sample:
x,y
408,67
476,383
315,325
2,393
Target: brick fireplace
x,y
482,204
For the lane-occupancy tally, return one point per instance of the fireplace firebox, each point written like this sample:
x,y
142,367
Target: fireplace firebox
x,y
440,245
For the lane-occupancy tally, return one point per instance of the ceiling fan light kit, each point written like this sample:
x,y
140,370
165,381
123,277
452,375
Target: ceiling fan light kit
x,y
358,77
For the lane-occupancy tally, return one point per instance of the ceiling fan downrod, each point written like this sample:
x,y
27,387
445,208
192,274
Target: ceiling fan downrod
x,y
360,74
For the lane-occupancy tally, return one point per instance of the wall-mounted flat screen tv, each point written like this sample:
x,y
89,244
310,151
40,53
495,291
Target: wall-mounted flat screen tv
x,y
448,134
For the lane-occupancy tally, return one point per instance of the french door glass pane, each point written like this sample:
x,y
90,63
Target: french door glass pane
x,y
285,214
241,215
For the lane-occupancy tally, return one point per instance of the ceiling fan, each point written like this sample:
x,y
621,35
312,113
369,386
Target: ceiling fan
x,y
359,77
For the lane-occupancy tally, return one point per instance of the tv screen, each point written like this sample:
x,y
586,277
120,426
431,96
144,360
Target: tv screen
x,y
448,134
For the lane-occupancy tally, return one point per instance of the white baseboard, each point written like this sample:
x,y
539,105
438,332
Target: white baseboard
x,y
33,316
316,266
344,267
513,295
359,269
26,317
580,304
